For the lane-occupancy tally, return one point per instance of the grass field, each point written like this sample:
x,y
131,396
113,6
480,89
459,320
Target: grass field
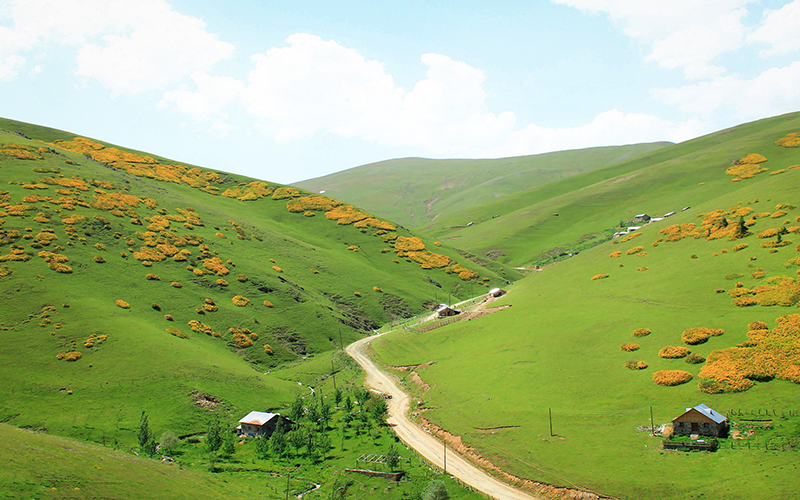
x,y
416,191
134,283
558,350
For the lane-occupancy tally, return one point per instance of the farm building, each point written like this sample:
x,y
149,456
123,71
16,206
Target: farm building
x,y
631,229
701,420
497,292
444,311
641,218
258,423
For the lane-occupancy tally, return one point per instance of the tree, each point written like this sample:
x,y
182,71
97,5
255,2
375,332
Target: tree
x,y
348,404
296,410
213,436
168,442
277,443
323,443
392,458
741,229
297,438
147,442
262,447
379,411
436,490
228,445
337,396
324,412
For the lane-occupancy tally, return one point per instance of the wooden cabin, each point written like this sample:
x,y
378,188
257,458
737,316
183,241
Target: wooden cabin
x,y
445,311
258,423
700,420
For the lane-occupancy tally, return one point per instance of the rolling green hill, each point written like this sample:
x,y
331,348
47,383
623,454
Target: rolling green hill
x,y
134,283
416,191
564,346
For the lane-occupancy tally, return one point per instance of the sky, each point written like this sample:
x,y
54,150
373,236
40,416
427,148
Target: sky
x,y
287,91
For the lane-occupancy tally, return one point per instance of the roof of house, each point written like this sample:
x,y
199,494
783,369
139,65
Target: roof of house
x,y
639,216
708,412
495,290
258,418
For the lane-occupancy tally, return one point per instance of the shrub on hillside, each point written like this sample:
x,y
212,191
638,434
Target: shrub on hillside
x,y
635,365
700,335
629,347
695,359
176,333
641,332
615,254
122,304
673,352
177,284
599,277
634,250
671,377
240,301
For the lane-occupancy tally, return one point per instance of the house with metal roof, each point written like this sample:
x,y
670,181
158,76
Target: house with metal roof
x,y
700,420
445,311
258,423
497,292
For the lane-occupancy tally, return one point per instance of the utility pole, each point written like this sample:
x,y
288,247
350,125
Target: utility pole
x,y
444,442
333,374
341,345
652,422
550,412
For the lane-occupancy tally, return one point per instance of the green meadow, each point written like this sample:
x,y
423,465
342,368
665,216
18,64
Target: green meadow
x,y
132,283
496,380
418,191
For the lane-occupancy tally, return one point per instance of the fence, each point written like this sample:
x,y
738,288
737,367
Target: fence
x,y
685,445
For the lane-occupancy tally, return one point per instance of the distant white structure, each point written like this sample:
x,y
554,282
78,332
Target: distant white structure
x,y
497,292
656,219
633,228
669,214
258,423
444,311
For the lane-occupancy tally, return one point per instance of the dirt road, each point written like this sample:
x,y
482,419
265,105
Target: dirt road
x,y
425,444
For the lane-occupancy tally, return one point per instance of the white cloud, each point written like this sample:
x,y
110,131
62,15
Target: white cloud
x,y
313,85
36,69
127,46
10,65
773,92
682,33
208,101
779,30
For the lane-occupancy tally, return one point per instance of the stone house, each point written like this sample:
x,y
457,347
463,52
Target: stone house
x,y
257,423
700,420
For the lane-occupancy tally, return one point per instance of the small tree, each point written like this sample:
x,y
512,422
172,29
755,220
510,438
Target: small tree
x,y
168,442
147,441
262,447
228,444
298,439
436,490
379,411
741,229
277,442
392,458
213,436
323,444
348,404
337,396
296,410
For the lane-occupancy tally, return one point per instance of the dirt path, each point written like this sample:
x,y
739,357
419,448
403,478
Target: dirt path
x,y
425,444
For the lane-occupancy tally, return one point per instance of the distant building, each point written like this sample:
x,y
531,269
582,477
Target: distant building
x,y
685,209
497,292
257,423
656,219
669,214
700,420
620,233
641,218
633,228
445,311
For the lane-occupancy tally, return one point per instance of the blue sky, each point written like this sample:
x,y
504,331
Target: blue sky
x,y
285,91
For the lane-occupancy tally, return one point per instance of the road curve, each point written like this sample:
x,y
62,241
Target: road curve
x,y
421,441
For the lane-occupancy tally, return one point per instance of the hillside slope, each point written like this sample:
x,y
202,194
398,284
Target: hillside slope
x,y
135,283
719,280
416,191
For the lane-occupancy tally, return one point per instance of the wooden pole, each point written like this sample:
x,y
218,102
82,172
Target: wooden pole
x,y
652,422
341,345
550,412
333,374
444,442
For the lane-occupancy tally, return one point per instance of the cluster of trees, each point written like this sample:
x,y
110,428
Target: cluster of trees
x,y
310,434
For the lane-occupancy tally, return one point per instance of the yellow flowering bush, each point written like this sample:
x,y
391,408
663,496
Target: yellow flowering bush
x,y
277,269
694,336
240,301
629,347
268,303
268,349
671,377
216,265
177,284
122,304
283,193
641,332
176,333
408,244
599,277
312,202
673,352
790,140
222,282
636,365
615,254
634,250
346,214
429,260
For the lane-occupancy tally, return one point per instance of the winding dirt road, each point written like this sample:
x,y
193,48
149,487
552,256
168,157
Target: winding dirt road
x,y
425,444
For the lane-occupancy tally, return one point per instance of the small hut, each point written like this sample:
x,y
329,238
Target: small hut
x,y
700,420
445,311
641,218
497,292
258,423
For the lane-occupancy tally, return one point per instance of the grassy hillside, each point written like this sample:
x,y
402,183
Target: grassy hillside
x,y
559,348
568,214
134,283
416,191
